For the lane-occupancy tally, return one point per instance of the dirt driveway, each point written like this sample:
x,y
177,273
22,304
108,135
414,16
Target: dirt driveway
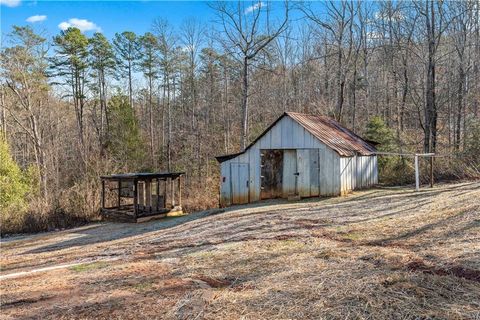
x,y
379,253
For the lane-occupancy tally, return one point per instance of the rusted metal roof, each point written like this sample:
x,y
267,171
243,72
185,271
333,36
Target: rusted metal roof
x,y
344,141
142,175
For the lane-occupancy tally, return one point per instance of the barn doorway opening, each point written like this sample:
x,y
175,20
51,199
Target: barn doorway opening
x,y
271,174
289,173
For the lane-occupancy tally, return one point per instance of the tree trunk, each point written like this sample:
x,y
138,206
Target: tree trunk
x,y
169,124
245,104
430,130
150,119
130,90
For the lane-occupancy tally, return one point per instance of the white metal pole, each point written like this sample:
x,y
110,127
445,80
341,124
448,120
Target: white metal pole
x,y
417,174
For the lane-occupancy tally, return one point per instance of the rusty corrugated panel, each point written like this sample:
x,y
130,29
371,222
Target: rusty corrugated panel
x,y
333,134
340,139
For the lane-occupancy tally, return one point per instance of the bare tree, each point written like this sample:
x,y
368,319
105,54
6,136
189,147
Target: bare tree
x,y
24,69
167,42
248,30
192,35
435,24
337,21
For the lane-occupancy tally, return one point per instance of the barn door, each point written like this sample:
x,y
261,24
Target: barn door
x,y
240,182
303,169
271,174
289,173
308,172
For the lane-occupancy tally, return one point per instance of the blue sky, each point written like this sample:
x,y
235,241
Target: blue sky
x,y
108,16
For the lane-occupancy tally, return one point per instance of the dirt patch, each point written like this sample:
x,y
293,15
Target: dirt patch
x,y
311,223
285,237
25,301
457,271
387,244
215,282
329,235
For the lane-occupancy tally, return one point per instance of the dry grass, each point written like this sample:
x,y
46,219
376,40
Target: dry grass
x,y
376,254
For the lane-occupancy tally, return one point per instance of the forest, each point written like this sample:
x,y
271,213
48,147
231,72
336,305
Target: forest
x,y
73,106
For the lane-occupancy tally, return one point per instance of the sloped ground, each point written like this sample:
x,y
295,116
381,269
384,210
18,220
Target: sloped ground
x,y
376,254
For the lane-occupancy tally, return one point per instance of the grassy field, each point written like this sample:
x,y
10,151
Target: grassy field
x,y
375,254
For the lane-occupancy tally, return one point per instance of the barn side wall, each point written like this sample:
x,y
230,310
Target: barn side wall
x,y
358,172
285,134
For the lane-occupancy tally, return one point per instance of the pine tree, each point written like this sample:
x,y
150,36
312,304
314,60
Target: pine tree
x,y
167,44
125,143
127,49
379,132
148,65
70,63
102,61
472,142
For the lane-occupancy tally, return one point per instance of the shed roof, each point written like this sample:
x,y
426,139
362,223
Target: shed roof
x,y
342,140
142,175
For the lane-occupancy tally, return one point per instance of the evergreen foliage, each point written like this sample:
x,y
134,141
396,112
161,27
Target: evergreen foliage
x,y
380,133
125,142
472,142
392,169
15,185
71,52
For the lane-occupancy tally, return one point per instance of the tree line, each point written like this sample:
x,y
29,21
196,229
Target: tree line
x,y
73,107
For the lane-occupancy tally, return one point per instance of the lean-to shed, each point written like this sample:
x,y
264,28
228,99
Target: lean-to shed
x,y
299,155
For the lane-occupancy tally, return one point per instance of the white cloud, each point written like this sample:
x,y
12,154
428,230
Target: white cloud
x,y
82,24
374,35
396,15
36,18
254,7
10,3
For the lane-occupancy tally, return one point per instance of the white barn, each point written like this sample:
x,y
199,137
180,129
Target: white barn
x,y
299,155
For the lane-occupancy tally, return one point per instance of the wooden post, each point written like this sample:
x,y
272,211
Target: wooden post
x,y
103,194
173,192
417,174
119,195
141,193
180,191
135,199
165,193
148,194
431,172
158,193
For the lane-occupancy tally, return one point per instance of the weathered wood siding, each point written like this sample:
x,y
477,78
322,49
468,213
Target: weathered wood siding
x,y
289,169
303,168
336,174
358,172
239,182
225,184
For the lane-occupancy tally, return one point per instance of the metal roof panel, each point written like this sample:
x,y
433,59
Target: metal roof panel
x,y
342,140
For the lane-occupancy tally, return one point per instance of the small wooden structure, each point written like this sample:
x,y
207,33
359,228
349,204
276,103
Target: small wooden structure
x,y
136,197
298,156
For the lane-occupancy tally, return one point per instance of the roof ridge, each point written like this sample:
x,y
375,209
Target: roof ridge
x,y
305,114
325,129
346,143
